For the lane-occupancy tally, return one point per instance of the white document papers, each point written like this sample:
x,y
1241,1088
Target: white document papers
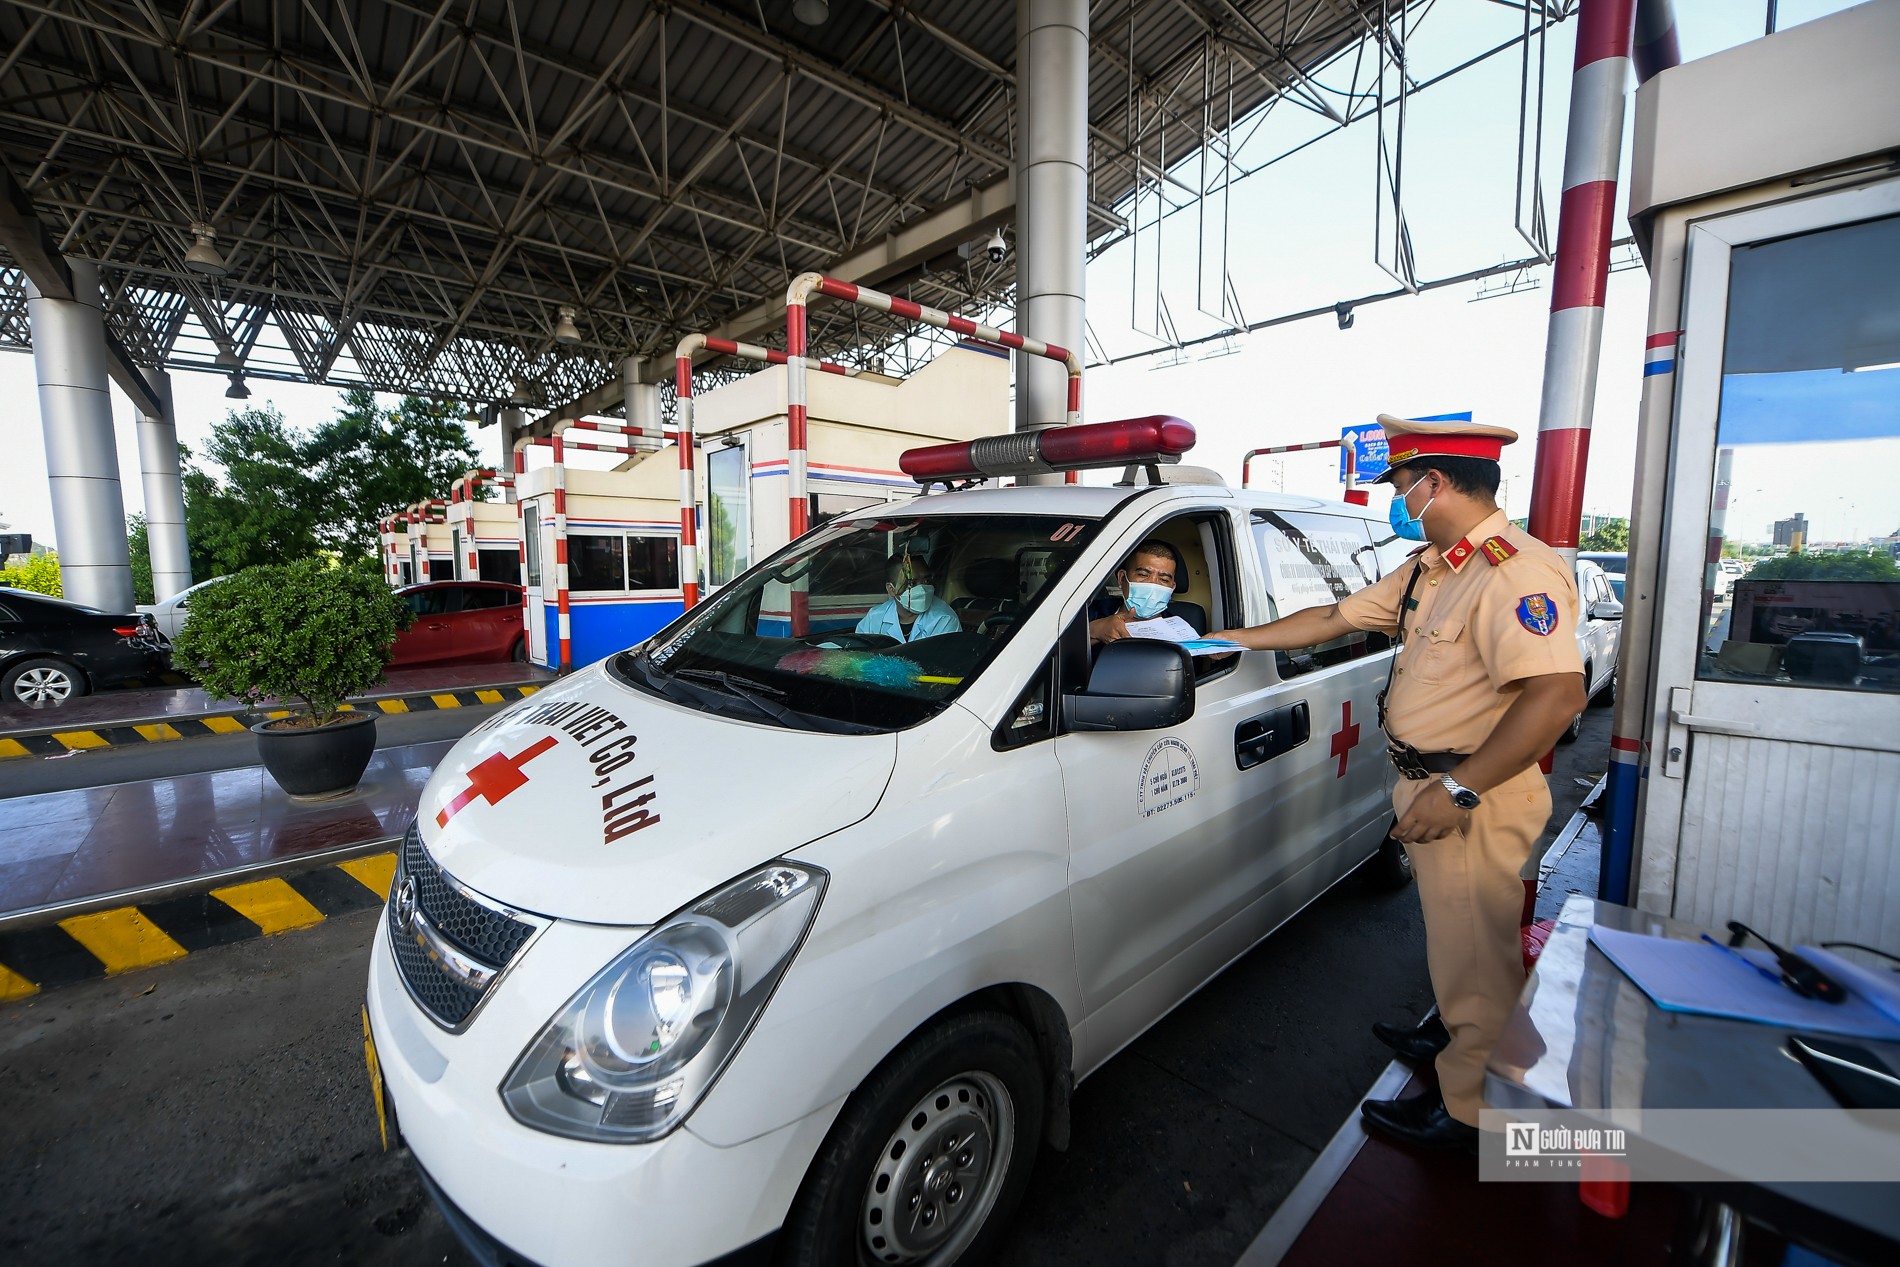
x,y
1165,628
1174,629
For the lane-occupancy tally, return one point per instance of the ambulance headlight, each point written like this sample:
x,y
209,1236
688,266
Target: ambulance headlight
x,y
629,1056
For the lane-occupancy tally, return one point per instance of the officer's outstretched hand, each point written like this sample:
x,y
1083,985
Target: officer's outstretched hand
x,y
1431,816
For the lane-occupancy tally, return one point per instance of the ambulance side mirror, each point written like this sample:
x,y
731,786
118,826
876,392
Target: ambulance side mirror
x,y
1136,684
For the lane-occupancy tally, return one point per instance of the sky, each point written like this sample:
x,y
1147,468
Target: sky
x,y
1299,234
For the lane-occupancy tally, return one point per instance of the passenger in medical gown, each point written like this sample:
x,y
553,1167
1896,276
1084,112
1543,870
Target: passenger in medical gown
x,y
913,609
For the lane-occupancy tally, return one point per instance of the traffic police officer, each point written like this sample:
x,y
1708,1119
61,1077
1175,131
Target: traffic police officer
x,y
1486,677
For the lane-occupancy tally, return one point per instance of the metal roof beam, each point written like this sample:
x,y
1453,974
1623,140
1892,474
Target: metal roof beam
x,y
26,239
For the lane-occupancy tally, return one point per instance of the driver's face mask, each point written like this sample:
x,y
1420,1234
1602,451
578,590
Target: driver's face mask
x,y
1148,600
915,598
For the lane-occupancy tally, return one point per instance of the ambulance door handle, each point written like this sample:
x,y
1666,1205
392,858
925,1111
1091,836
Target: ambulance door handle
x,y
1260,739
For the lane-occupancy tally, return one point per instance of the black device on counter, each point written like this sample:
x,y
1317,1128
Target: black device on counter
x,y
1797,973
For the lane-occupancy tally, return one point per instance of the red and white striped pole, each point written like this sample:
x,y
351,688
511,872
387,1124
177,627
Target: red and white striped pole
x,y
689,493
1580,274
563,627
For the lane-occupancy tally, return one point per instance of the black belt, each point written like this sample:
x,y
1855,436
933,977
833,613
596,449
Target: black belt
x,y
1414,764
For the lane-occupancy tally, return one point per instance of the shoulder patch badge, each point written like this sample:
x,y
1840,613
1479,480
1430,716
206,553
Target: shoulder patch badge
x,y
1497,550
1537,613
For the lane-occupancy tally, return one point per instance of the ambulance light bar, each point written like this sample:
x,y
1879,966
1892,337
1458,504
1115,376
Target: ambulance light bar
x,y
1131,441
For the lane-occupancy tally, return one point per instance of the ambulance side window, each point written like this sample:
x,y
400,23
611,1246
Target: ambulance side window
x,y
1314,560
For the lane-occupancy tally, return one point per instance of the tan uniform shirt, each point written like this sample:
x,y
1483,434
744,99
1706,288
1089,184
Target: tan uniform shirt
x,y
1480,625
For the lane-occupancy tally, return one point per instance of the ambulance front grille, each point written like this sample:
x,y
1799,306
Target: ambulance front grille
x,y
487,937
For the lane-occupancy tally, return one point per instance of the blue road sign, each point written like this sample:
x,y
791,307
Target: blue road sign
x,y
1369,448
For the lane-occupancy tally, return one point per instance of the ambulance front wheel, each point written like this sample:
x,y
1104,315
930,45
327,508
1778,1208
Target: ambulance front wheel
x,y
1391,867
931,1155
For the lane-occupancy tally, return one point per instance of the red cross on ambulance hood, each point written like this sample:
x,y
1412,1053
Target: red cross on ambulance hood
x,y
592,801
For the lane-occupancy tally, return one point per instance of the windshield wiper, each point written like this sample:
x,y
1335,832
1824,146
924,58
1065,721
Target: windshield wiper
x,y
761,697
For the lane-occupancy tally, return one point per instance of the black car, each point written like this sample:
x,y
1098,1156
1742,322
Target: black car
x,y
52,650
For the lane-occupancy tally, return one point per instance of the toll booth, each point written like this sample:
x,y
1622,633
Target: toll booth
x,y
619,535
620,546
431,550
485,535
858,426
1756,769
393,542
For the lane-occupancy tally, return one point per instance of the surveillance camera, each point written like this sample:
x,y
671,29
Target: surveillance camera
x,y
997,248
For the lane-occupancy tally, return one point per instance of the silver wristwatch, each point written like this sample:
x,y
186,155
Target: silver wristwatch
x,y
1461,796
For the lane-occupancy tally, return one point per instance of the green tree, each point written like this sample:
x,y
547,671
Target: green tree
x,y
370,462
1610,536
138,540
39,574
265,509
1826,567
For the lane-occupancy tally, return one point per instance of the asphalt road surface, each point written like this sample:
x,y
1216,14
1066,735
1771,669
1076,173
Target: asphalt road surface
x,y
216,1110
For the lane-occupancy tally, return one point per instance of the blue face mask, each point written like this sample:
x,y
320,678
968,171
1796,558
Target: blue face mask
x,y
1405,524
1148,600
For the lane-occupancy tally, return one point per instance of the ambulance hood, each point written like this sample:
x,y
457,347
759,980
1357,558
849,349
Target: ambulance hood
x,y
592,801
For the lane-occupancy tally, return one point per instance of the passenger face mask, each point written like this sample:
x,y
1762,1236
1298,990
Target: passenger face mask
x,y
1147,600
916,598
1403,521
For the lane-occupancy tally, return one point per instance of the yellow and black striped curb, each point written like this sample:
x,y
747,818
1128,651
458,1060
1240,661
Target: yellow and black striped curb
x,y
105,943
53,743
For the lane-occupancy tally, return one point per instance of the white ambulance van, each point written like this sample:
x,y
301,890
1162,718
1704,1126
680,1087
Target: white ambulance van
x,y
773,941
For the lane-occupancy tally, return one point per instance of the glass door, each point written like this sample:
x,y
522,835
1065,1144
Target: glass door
x,y
1778,648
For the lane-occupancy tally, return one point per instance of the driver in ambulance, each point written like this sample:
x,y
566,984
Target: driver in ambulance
x,y
913,609
1148,582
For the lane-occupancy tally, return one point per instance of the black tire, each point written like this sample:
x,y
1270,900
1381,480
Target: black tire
x,y
519,652
1573,730
42,681
1390,868
970,1084
1608,694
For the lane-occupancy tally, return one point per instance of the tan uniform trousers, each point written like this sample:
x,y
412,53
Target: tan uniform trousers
x,y
1469,886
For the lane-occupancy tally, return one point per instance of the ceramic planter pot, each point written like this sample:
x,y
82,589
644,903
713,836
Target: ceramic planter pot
x,y
315,763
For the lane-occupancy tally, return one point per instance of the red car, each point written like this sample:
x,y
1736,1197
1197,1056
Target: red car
x,y
460,622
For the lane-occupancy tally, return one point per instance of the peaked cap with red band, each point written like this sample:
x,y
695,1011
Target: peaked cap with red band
x,y
1406,440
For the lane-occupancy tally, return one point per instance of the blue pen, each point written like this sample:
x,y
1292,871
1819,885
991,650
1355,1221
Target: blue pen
x,y
1740,958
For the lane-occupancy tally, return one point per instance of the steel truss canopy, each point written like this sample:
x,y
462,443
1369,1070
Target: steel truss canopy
x,y
407,195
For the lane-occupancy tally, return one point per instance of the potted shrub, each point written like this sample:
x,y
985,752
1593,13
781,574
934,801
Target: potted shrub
x,y
312,633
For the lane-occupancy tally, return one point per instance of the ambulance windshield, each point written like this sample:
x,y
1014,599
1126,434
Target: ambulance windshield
x,y
863,625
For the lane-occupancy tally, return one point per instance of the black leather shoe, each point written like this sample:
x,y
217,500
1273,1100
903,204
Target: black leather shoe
x,y
1422,1121
1418,1044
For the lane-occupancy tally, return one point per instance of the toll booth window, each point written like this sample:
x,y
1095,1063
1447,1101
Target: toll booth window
x,y
441,569
1801,586
728,514
502,565
621,562
1314,560
531,549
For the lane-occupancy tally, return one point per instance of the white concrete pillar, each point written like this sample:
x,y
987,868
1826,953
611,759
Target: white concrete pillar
x,y
642,401
512,420
164,493
1052,66
82,457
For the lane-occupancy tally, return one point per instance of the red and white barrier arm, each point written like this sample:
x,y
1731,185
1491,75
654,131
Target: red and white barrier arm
x,y
1246,461
797,298
1580,275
